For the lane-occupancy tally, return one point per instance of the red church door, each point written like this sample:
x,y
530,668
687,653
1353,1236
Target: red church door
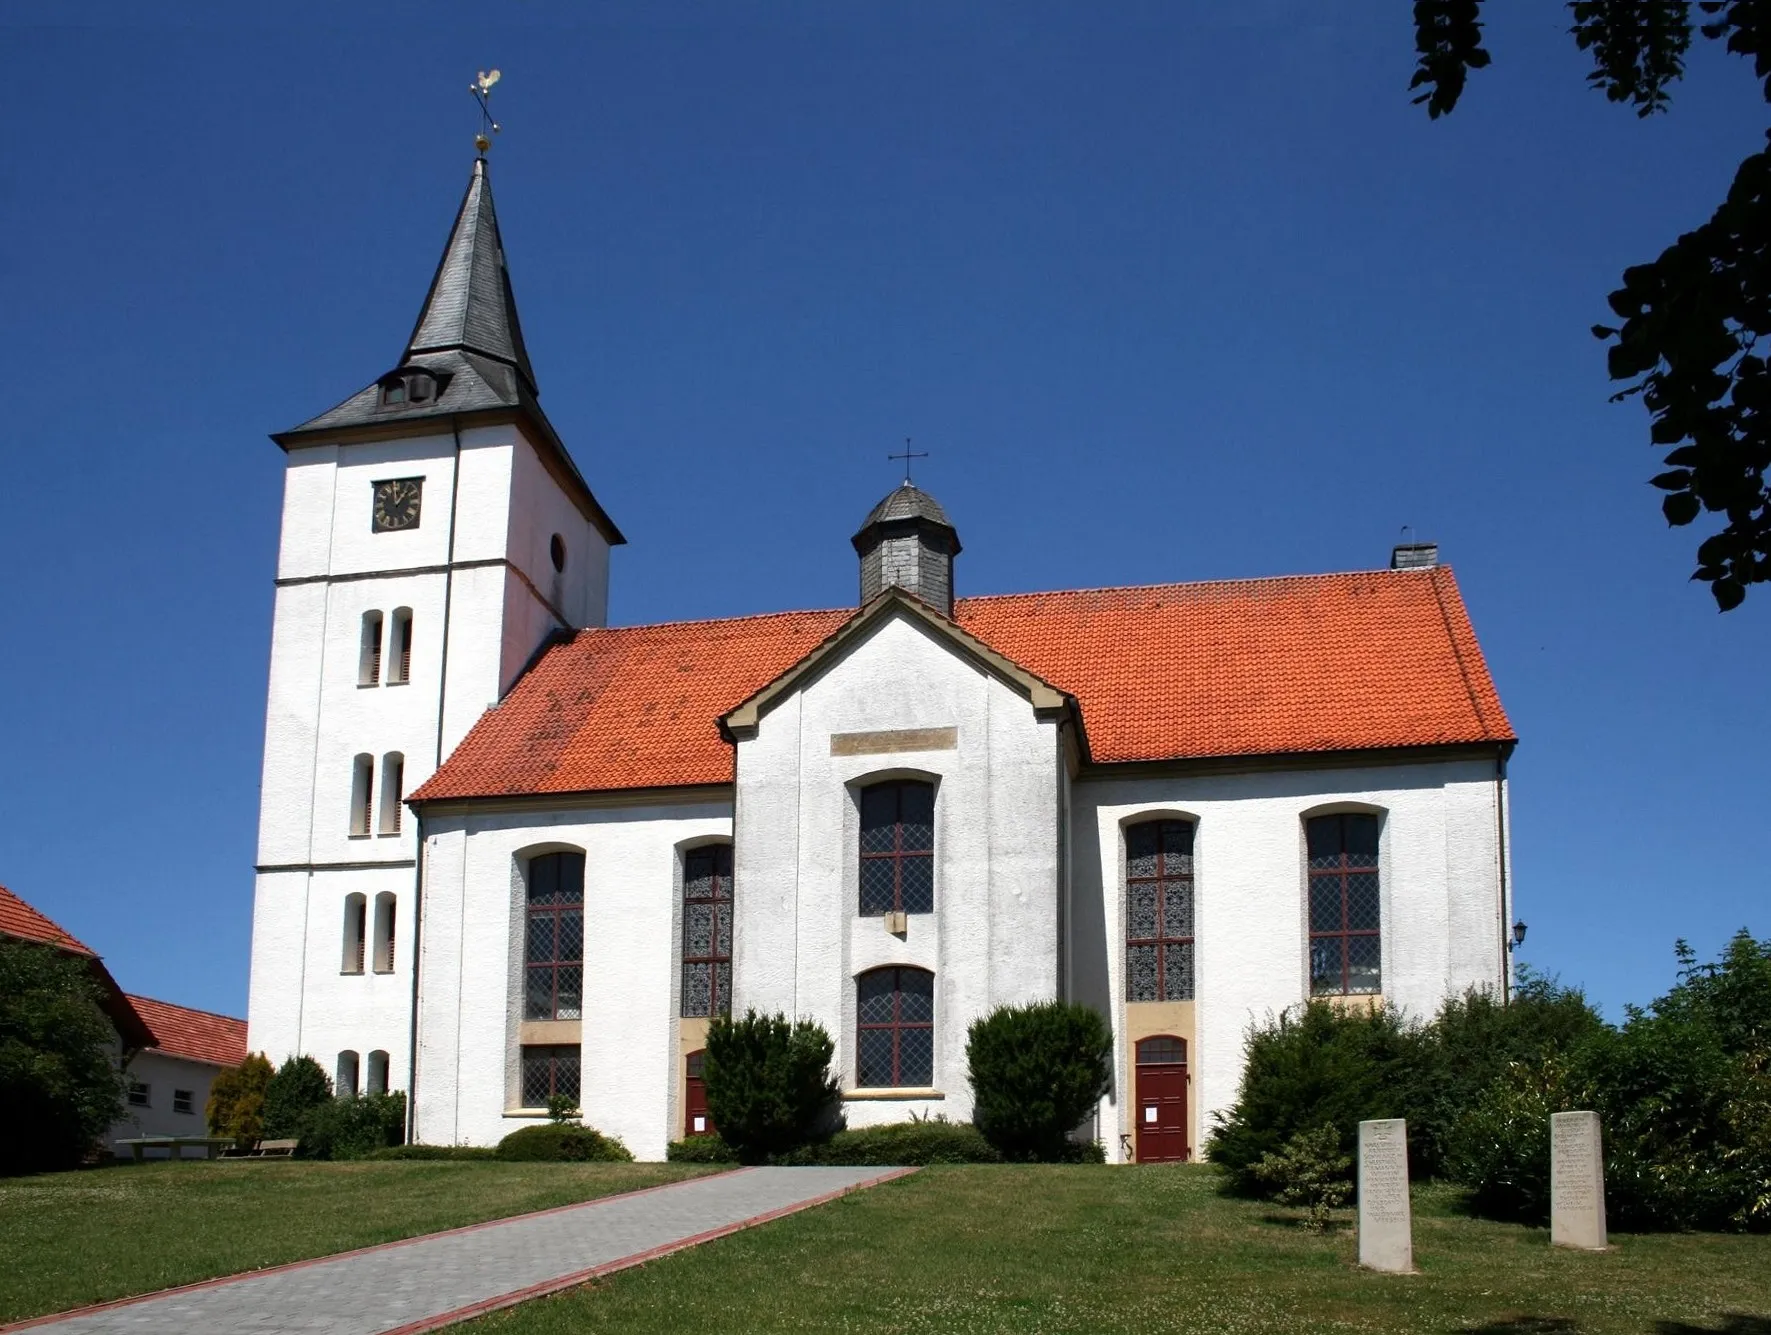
x,y
696,1122
1162,1100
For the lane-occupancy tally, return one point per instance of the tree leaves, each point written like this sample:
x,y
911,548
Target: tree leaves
x,y
1638,47
1448,38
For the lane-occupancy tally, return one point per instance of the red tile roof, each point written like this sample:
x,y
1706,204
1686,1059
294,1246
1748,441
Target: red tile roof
x,y
200,1036
19,919
1371,659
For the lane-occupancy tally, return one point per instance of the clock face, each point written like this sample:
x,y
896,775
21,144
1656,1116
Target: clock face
x,y
396,504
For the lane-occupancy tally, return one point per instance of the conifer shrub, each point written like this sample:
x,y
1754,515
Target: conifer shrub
x,y
769,1086
1036,1071
1310,1171
352,1126
237,1098
59,1084
561,1142
299,1086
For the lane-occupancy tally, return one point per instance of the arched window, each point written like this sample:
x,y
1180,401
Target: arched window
x,y
377,1081
354,912
384,932
898,848
553,987
707,930
369,660
399,668
1159,911
895,1028
1346,953
393,788
346,1084
362,793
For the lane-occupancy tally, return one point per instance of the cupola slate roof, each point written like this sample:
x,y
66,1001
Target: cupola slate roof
x,y
466,352
907,501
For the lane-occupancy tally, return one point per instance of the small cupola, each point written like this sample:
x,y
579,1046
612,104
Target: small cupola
x,y
908,541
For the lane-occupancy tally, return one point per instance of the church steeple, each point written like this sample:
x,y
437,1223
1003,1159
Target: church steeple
x,y
908,541
470,307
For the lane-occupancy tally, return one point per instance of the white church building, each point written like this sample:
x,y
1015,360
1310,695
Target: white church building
x,y
507,850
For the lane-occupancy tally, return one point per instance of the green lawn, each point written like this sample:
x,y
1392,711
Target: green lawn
x,y
1088,1250
73,1238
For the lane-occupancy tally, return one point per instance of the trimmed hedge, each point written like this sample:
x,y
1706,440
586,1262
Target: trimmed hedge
x,y
700,1149
561,1142
350,1127
899,1144
433,1152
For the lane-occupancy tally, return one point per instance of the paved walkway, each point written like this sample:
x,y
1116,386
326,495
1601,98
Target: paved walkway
x,y
423,1283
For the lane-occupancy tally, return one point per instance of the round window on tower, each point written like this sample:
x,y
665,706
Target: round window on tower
x,y
557,549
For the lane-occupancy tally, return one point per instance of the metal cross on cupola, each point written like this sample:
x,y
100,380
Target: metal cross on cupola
x,y
907,454
481,88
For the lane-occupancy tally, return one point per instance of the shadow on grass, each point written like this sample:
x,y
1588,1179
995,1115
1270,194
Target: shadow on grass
x,y
1735,1323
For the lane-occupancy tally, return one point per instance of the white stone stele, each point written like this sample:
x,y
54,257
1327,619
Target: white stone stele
x,y
1386,1223
1577,1182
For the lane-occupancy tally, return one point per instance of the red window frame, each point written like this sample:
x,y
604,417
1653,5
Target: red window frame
x,y
1173,867
715,891
563,901
1331,876
897,1025
901,852
564,1065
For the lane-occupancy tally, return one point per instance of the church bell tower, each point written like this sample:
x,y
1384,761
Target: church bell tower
x,y
435,533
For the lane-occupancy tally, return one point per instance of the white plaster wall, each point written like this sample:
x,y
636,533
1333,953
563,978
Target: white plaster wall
x,y
163,1073
470,1003
992,940
1441,913
539,509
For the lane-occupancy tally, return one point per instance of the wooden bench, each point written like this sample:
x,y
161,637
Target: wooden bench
x,y
274,1149
175,1145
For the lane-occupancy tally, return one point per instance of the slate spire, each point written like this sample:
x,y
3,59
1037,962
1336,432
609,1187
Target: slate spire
x,y
470,307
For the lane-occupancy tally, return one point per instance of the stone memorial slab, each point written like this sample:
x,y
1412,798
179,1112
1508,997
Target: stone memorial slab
x,y
1577,1181
1386,1224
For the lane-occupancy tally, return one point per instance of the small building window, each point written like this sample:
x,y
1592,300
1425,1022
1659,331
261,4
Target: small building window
x,y
548,1071
553,954
895,1028
182,1101
355,912
369,661
377,1082
707,930
898,848
399,668
1346,952
384,932
362,793
556,551
393,788
393,392
1159,911
346,1083
138,1095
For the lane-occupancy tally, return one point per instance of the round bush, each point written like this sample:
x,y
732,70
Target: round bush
x,y
700,1149
561,1142
1036,1072
769,1087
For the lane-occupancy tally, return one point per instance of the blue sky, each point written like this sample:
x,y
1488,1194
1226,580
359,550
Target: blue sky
x,y
1167,294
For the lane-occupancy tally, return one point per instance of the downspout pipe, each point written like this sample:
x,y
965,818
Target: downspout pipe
x,y
1500,834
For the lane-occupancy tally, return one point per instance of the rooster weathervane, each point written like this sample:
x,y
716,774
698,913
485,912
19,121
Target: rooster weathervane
x,y
481,88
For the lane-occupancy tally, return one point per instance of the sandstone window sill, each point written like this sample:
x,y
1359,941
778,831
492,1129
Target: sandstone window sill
x,y
905,1092
530,1114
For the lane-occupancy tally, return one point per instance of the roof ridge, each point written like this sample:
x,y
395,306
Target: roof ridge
x,y
720,621
1199,583
179,1005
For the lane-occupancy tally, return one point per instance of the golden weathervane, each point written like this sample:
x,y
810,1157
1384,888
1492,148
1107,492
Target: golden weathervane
x,y
481,88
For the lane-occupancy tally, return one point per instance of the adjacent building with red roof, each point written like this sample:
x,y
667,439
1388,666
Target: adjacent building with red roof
x,y
509,852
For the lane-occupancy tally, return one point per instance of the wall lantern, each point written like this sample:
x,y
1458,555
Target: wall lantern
x,y
1518,934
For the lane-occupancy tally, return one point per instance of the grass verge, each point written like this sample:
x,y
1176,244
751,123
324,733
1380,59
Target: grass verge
x,y
67,1239
1154,1249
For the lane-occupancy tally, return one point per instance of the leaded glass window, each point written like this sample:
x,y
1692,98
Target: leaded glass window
x,y
898,848
548,1071
1159,911
1345,939
553,945
895,1029
707,930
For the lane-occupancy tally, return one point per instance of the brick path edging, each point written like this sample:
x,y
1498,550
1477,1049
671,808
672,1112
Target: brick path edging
x,y
501,1300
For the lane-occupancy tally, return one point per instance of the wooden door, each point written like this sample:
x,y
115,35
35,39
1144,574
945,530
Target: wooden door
x,y
1161,1108
696,1122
